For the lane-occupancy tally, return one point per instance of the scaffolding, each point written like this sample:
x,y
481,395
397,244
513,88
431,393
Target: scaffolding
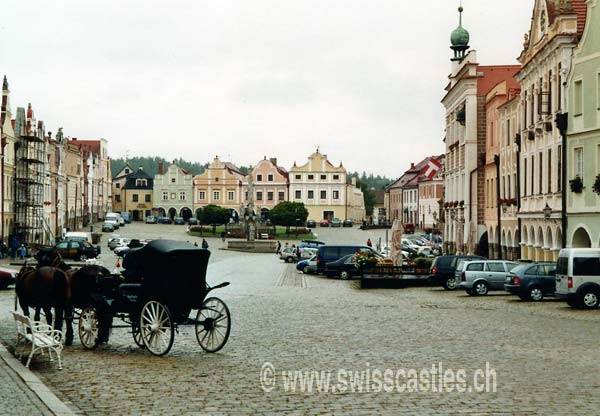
x,y
30,172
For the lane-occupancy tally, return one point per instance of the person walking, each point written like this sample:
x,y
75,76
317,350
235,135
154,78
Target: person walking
x,y
278,248
369,243
204,243
22,252
298,253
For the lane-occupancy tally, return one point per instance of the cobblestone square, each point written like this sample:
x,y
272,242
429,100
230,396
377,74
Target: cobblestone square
x,y
545,355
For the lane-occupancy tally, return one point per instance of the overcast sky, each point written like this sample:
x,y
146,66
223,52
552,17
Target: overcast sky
x,y
362,79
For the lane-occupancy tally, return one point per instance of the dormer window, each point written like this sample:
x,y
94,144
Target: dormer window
x,y
127,171
141,182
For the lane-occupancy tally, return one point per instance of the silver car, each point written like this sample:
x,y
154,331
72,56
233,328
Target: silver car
x,y
478,277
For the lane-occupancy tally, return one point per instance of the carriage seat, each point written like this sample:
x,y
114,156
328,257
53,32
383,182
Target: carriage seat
x,y
130,291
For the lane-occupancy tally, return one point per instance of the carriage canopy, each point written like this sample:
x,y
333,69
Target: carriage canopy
x,y
169,270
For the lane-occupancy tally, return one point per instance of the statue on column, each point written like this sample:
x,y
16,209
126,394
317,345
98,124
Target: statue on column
x,y
396,249
249,214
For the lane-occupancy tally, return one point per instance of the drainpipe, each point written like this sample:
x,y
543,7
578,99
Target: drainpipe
x,y
498,208
562,123
518,191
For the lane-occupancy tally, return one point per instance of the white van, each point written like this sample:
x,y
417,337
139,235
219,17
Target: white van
x,y
578,277
79,236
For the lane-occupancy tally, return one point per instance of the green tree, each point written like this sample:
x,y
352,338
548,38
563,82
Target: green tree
x,y
369,197
214,215
288,213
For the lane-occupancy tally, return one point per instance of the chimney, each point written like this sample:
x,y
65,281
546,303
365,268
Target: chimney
x,y
140,167
273,160
161,168
412,165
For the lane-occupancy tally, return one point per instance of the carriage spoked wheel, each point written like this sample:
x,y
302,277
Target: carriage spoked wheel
x,y
156,328
88,328
214,325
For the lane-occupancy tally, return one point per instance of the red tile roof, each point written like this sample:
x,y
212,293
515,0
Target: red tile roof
x,y
493,75
580,9
89,145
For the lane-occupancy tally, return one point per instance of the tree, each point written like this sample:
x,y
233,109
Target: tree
x,y
214,215
368,196
288,213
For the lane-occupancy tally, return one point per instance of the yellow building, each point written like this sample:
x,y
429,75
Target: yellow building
x,y
220,184
321,187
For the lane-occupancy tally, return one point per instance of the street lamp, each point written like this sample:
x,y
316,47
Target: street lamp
x,y
547,211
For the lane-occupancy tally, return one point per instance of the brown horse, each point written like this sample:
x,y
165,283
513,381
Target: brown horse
x,y
56,285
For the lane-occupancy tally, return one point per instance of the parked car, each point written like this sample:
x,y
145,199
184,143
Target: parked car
x,y
126,217
306,265
117,242
122,251
7,277
77,250
288,255
121,221
478,277
344,268
324,223
179,221
311,224
443,270
532,281
307,252
311,243
331,253
108,227
192,221
578,277
151,219
165,220
111,238
347,223
336,222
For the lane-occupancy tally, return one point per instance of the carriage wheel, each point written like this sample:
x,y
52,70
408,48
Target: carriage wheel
x,y
156,328
137,334
214,325
88,328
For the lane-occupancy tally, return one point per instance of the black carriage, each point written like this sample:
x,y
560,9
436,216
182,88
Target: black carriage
x,y
163,282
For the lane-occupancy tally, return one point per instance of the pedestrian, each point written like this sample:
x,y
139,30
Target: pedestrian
x,y
195,244
286,245
22,251
14,246
278,247
298,253
369,243
204,243
223,234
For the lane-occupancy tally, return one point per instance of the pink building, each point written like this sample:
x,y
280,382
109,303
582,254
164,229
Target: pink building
x,y
271,185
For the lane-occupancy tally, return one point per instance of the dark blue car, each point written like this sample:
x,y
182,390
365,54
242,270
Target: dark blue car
x,y
532,281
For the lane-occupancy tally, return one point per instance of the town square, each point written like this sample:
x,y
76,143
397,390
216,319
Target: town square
x,y
300,208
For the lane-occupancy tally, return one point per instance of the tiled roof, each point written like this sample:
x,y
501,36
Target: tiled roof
x,y
493,75
379,195
580,9
89,145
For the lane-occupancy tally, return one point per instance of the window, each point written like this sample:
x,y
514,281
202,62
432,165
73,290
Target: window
x,y
118,185
230,195
281,196
126,171
298,194
579,162
216,195
335,194
586,266
216,179
323,194
269,196
559,87
135,197
298,177
323,177
525,176
495,267
475,267
148,198
336,177
182,196
172,180
559,170
549,174
165,196
259,178
541,171
311,177
246,195
270,177
550,106
201,195
532,191
259,196
141,182
578,98
311,194
118,198
598,91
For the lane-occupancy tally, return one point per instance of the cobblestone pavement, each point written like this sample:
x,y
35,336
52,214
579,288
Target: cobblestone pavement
x,y
545,355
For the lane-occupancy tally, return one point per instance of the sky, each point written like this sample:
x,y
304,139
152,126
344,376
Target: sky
x,y
243,79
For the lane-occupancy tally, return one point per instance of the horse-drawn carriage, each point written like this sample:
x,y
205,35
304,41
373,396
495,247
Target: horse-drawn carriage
x,y
163,282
